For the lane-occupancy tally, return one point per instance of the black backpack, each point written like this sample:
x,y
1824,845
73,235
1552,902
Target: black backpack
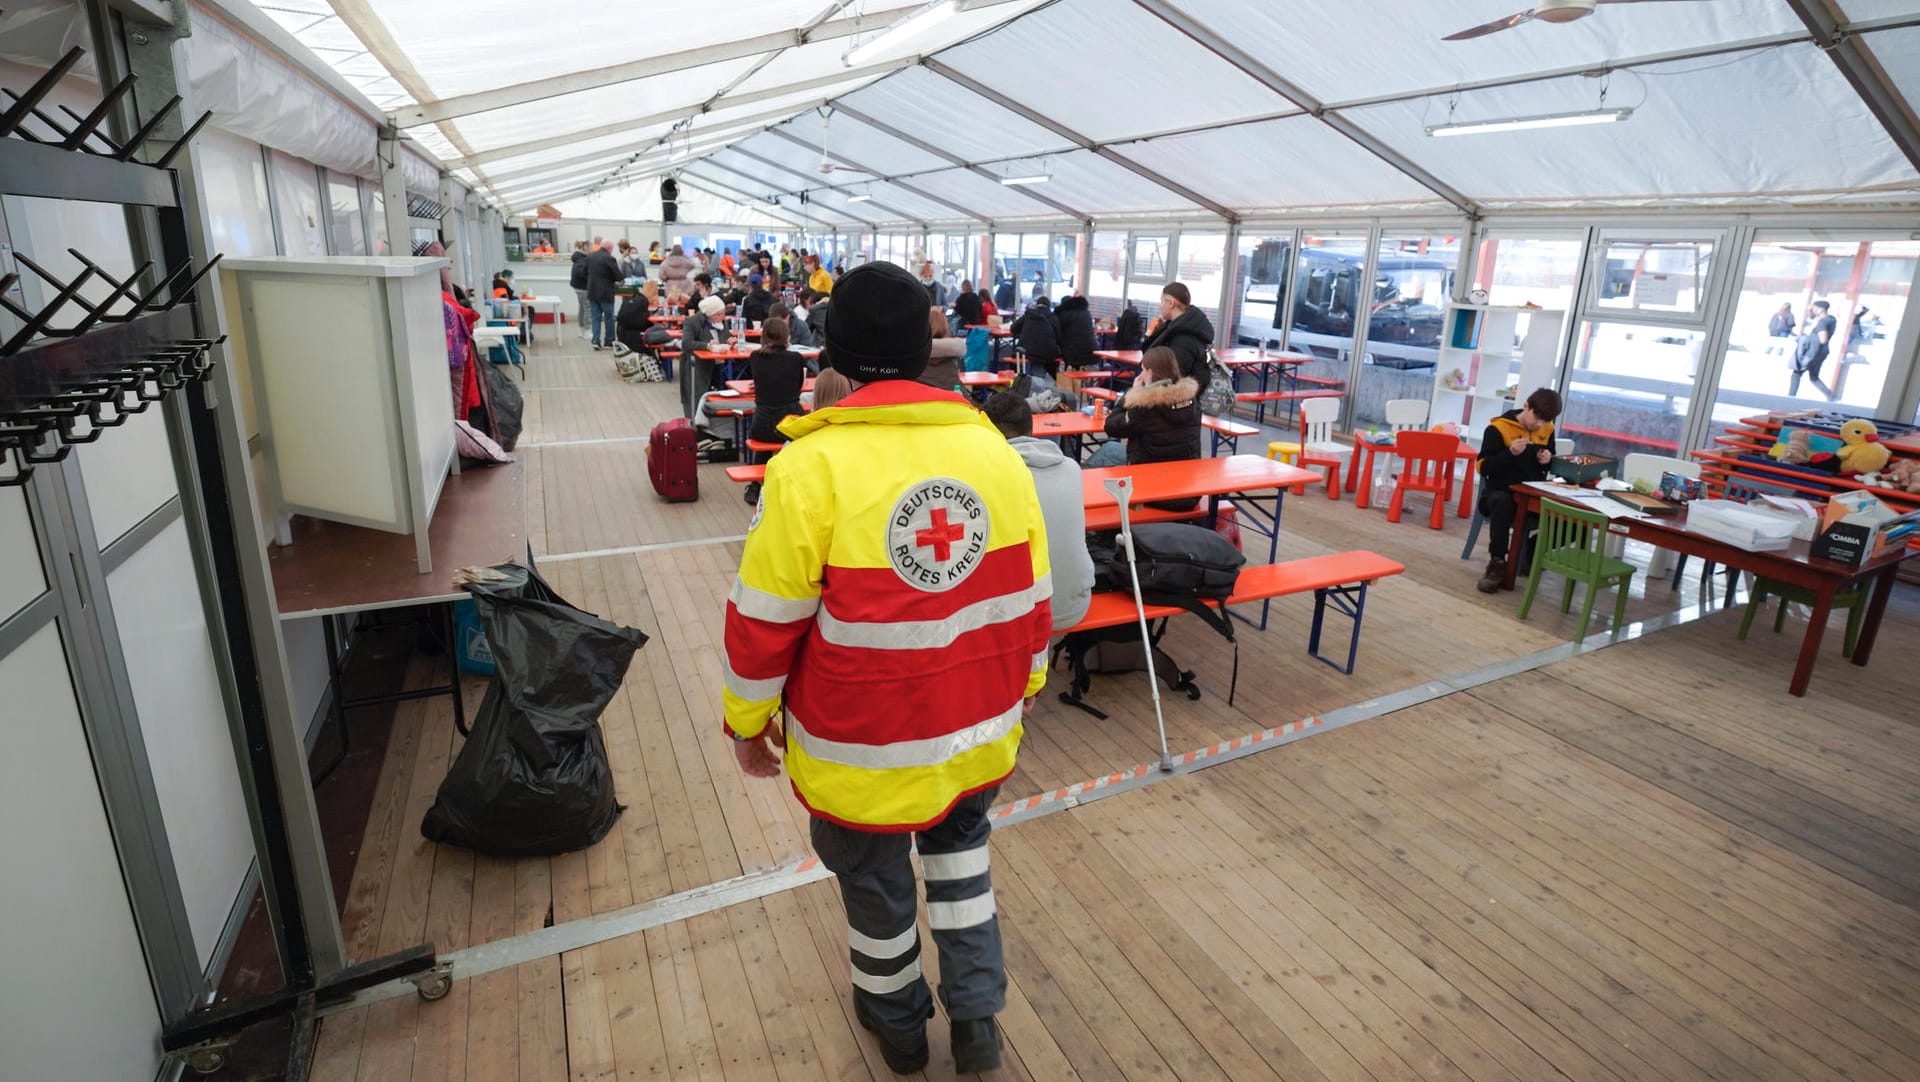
x,y
1178,563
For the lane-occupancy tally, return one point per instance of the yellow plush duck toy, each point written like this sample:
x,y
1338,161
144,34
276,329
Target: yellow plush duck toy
x,y
1860,450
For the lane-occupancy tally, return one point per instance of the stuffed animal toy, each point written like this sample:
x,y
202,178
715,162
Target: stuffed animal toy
x,y
1796,448
1904,475
1860,450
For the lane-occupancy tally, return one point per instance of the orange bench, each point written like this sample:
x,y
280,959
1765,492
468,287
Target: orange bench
x,y
1226,431
1340,577
745,474
1108,518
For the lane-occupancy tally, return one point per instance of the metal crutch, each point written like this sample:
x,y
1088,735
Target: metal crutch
x,y
1121,489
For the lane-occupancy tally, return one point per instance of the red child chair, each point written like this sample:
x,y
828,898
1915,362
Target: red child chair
x,y
1428,467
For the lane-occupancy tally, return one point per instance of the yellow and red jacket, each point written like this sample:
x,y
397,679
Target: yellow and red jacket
x,y
892,603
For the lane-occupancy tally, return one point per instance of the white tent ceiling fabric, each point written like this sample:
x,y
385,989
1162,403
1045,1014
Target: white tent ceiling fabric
x,y
1731,102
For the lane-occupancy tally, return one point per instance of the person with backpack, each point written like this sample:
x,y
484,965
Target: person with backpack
x,y
1039,335
1186,331
1159,418
889,629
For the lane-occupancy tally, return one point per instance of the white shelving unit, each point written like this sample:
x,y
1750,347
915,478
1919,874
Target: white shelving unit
x,y
1482,355
346,358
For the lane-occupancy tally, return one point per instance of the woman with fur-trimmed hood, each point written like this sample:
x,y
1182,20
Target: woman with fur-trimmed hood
x,y
1159,417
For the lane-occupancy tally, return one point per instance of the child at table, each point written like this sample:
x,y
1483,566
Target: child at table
x,y
1517,448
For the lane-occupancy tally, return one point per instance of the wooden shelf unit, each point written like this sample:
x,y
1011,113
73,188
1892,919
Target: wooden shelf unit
x,y
1479,344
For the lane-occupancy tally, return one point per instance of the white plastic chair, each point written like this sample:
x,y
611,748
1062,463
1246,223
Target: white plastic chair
x,y
1403,414
1648,468
1317,445
1565,447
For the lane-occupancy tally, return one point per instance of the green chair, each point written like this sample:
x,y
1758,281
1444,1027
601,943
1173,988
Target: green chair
x,y
1854,601
1572,542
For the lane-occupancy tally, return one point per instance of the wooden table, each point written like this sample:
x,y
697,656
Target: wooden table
x,y
1067,427
1363,493
333,569
1793,564
727,357
1120,356
986,379
745,386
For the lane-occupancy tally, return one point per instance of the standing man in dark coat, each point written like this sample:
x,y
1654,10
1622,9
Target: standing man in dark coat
x,y
1185,330
603,270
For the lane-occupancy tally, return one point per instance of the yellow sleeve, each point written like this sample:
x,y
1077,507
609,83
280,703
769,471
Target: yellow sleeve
x,y
773,602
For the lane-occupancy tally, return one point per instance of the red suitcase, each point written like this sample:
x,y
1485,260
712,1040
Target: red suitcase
x,y
673,460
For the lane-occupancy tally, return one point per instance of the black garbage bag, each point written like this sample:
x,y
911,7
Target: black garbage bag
x,y
505,404
532,778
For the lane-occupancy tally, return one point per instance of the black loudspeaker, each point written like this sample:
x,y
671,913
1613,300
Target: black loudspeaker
x,y
669,212
669,190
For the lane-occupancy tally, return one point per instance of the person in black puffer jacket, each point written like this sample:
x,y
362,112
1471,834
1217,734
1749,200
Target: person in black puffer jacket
x,y
1185,330
577,281
1076,332
631,324
1039,335
966,306
1159,418
1126,329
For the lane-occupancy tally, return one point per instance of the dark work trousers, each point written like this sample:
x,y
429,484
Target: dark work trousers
x,y
876,882
1499,507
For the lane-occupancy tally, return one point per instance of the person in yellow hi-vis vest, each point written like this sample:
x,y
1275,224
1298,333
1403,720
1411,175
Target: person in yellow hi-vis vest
x,y
889,630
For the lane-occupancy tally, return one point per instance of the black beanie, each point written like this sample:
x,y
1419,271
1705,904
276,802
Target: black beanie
x,y
879,327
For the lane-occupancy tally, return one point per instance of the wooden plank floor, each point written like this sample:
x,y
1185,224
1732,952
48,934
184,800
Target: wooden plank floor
x,y
1647,861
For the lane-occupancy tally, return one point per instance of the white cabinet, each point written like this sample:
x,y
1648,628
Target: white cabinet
x,y
1487,357
345,359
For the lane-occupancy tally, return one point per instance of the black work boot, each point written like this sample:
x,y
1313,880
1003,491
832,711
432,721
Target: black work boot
x,y
904,1051
1495,577
976,1046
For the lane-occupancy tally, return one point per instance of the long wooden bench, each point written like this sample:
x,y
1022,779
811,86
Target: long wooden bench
x,y
1287,396
1341,578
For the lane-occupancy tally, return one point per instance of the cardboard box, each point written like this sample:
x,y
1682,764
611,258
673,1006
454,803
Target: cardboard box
x,y
1856,527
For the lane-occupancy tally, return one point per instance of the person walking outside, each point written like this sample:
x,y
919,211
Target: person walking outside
x,y
1812,349
892,612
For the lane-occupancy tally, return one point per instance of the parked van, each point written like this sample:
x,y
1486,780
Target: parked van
x,y
1407,303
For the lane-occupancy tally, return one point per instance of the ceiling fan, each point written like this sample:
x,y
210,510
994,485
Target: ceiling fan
x,y
827,164
1551,11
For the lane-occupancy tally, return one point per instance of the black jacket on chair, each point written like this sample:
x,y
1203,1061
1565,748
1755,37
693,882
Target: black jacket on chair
x,y
1076,331
1189,335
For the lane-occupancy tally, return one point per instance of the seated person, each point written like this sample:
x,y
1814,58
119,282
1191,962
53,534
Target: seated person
x,y
778,374
829,388
1057,479
756,302
1159,418
703,330
503,284
632,322
943,364
1517,448
798,333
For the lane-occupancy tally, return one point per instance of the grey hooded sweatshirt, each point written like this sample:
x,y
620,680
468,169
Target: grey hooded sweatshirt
x,y
1057,479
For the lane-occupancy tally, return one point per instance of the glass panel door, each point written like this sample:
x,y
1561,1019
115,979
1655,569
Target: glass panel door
x,y
1107,274
1262,276
1148,274
1327,291
1413,278
1779,323
1202,267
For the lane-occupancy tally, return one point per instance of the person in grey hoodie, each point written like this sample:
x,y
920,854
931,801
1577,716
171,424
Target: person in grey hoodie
x,y
1057,479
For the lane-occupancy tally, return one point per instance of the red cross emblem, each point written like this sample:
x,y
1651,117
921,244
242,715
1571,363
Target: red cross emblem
x,y
940,536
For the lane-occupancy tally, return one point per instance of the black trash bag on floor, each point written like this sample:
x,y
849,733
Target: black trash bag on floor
x,y
533,778
506,405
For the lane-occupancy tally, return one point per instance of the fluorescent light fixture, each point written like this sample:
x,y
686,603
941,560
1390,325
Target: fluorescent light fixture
x,y
913,24
863,197
1522,123
1035,178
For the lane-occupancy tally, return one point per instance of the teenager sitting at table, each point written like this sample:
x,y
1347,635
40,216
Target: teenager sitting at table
x,y
1056,478
966,306
1039,334
703,330
1076,332
778,374
1159,418
943,365
1517,448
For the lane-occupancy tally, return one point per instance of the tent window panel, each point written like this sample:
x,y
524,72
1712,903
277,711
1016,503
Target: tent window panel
x,y
1263,267
1631,387
1107,274
1655,276
1412,280
1323,324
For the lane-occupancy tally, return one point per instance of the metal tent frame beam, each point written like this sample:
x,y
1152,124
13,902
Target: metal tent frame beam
x,y
710,163
1864,74
429,112
782,133
555,142
898,213
1213,42
749,200
928,148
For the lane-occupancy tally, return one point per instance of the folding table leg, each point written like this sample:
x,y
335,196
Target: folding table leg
x,y
1351,601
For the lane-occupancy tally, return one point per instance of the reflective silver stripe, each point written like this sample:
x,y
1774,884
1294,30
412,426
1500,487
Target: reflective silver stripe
x,y
932,751
760,605
967,863
965,913
1039,662
752,691
883,948
880,986
933,634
